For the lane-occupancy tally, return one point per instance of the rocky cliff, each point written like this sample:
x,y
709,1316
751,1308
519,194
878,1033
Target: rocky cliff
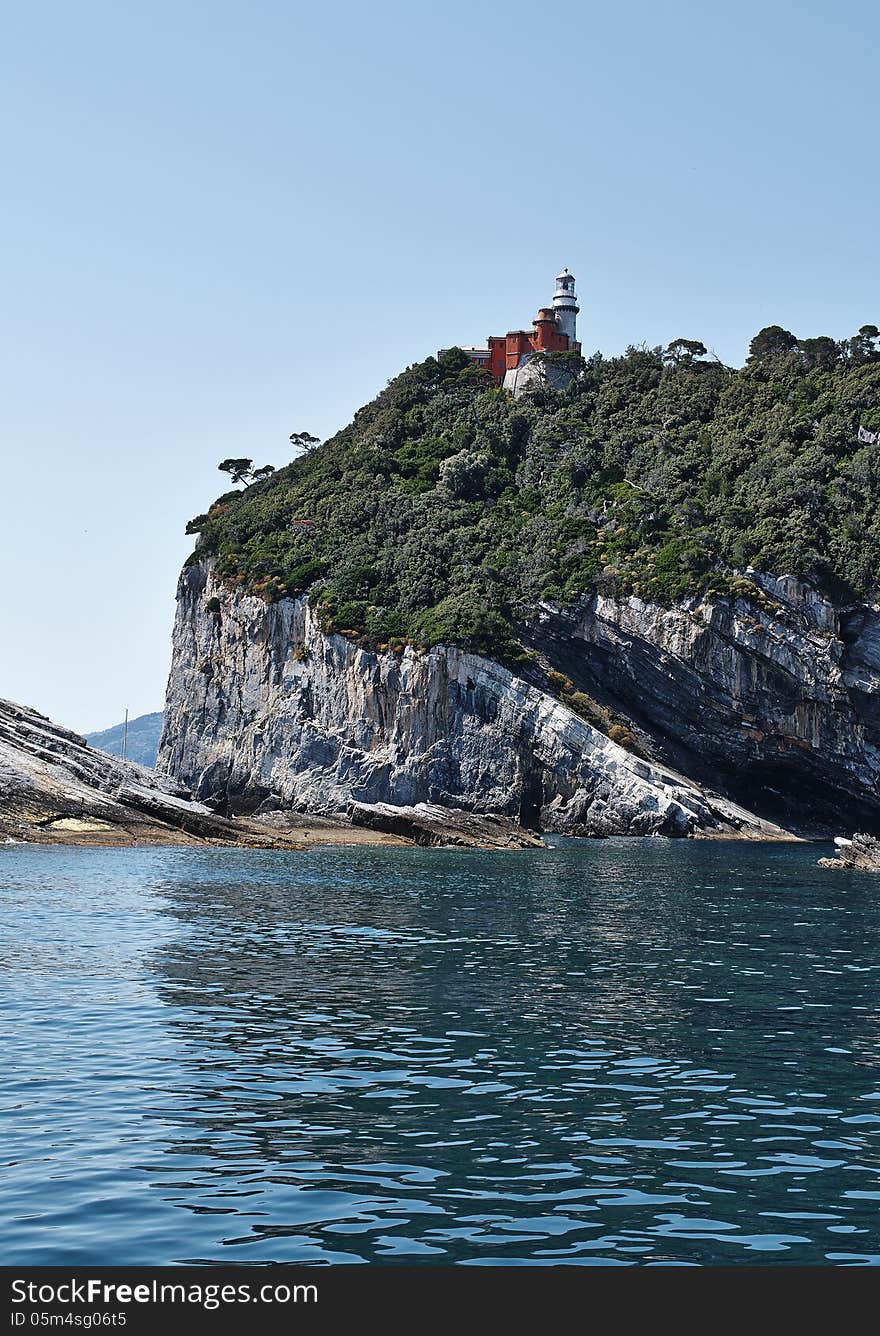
x,y
772,696
606,543
264,709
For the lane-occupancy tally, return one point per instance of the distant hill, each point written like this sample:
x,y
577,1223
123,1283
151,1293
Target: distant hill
x,y
143,739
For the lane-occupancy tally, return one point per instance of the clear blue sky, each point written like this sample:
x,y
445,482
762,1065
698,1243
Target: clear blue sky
x,y
226,221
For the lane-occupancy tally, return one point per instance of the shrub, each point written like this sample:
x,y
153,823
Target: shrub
x,y
620,734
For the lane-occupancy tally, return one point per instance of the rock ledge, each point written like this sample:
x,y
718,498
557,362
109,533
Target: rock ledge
x,y
861,852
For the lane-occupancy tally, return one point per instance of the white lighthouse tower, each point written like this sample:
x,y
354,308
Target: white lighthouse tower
x,y
566,307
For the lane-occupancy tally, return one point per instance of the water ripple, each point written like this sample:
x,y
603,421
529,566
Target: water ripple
x,y
610,1053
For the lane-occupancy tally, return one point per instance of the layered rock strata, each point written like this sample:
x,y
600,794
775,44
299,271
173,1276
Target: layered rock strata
x,y
56,789
772,696
265,710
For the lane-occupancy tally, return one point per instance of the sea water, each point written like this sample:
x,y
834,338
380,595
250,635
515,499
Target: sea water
x,y
611,1052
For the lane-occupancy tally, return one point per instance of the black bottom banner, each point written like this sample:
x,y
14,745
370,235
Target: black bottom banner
x,y
278,1298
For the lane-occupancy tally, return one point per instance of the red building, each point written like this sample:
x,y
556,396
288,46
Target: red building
x,y
553,331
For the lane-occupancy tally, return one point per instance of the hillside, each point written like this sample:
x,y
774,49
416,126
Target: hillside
x,y
141,743
447,511
614,608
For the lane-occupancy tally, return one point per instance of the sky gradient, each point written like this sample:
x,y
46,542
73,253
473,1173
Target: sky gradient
x,y
225,222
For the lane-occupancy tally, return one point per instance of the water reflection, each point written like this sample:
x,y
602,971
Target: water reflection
x,y
566,1032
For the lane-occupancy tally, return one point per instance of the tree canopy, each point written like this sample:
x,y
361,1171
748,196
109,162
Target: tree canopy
x,y
242,470
447,510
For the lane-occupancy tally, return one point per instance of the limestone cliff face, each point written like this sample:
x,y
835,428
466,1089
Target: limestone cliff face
x,y
774,697
264,709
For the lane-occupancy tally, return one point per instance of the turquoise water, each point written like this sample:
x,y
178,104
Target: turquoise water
x,y
609,1052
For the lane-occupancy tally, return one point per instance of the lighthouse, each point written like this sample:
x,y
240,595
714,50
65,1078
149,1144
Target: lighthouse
x,y
510,358
565,305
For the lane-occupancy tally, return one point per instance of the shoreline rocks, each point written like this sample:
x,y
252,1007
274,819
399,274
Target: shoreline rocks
x,y
56,789
862,853
443,827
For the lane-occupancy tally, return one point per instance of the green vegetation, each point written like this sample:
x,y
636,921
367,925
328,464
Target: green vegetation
x,y
242,470
447,510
